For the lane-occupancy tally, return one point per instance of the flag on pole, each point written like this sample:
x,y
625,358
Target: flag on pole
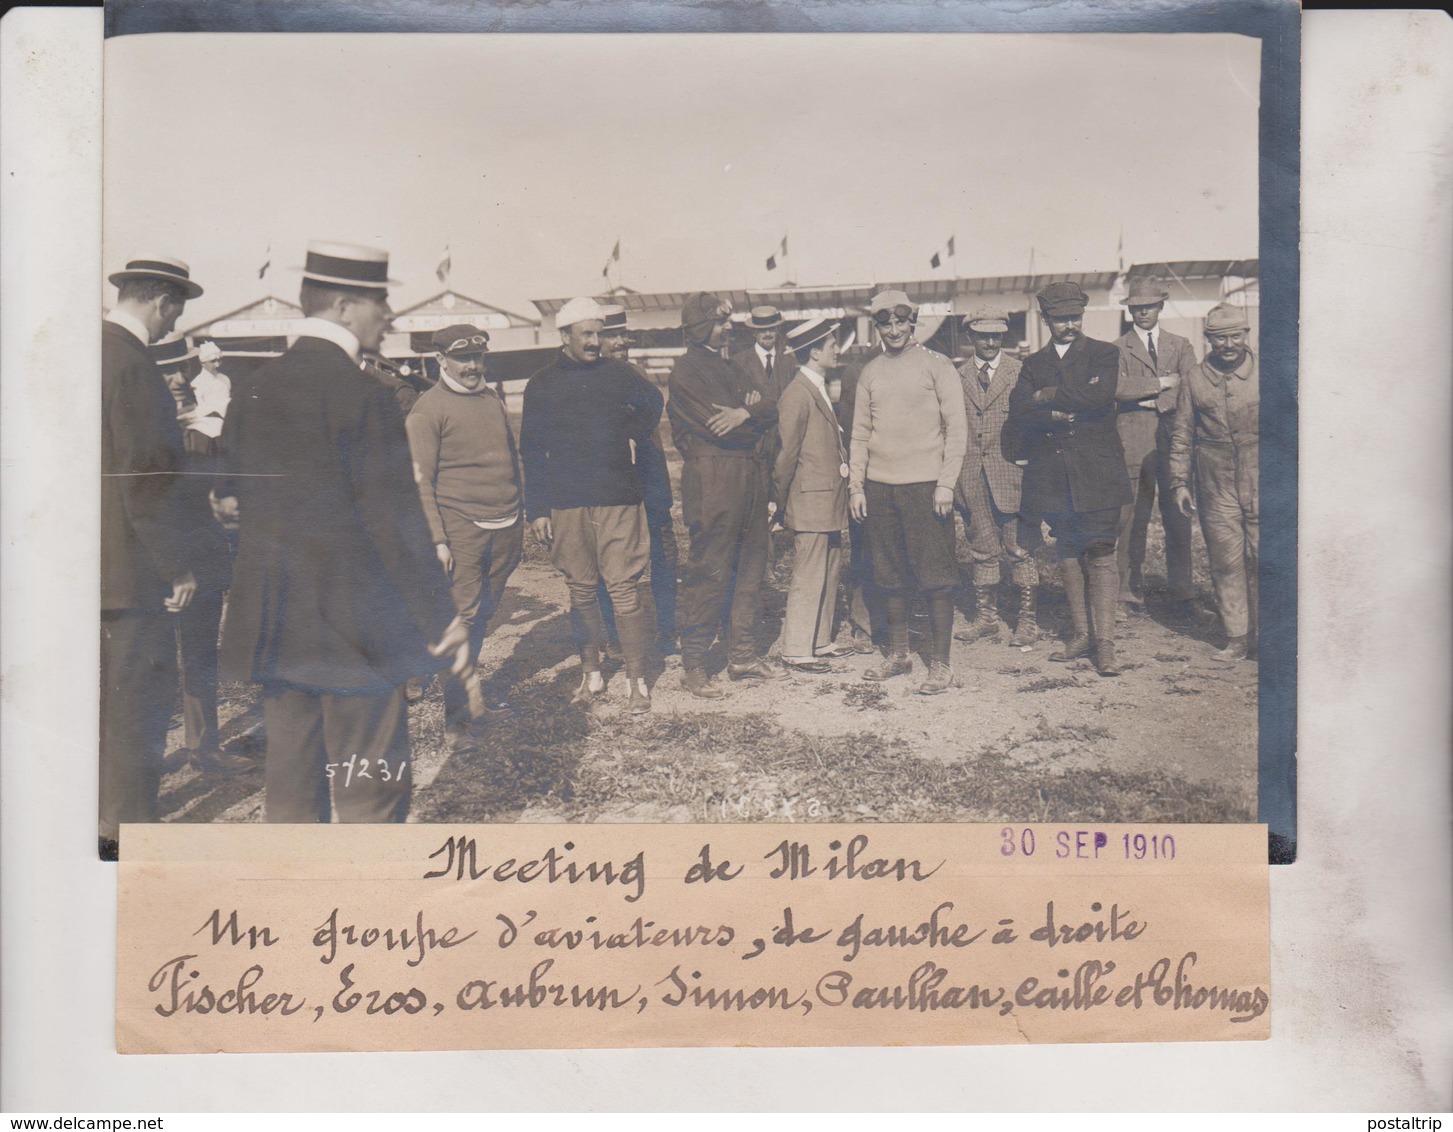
x,y
1120,252
950,247
615,256
266,262
781,251
934,261
445,266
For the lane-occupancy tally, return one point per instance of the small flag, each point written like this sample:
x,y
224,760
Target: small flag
x,y
951,247
1120,253
445,266
781,251
771,263
266,263
934,261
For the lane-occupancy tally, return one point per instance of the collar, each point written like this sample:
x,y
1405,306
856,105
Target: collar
x,y
818,381
340,336
130,323
450,383
992,363
1243,371
1144,335
762,354
1065,349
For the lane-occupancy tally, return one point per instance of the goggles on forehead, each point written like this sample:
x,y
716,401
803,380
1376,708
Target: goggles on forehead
x,y
897,314
475,343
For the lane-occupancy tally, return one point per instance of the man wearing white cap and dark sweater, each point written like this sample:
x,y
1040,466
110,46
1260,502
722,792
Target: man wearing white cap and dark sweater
x,y
145,569
583,497
718,419
909,437
810,488
337,596
469,483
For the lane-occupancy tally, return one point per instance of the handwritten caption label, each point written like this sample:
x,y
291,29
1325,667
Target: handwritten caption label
x,y
280,938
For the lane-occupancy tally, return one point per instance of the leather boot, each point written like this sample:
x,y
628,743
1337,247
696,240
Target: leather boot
x,y
894,664
700,685
1103,583
986,624
1026,632
1079,643
635,631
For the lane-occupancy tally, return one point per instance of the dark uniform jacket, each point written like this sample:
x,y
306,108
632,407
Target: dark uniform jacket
x,y
143,535
1076,463
702,384
336,586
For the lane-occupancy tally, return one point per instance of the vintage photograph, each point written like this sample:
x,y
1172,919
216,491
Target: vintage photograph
x,y
673,428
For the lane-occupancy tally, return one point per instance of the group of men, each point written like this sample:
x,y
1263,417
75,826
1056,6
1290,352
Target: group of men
x,y
373,543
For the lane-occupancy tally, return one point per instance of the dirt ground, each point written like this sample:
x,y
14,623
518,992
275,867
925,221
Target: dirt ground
x,y
1173,739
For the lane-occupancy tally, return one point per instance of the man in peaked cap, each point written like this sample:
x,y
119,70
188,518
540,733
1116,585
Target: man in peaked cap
x,y
585,418
1064,406
146,575
718,419
615,344
1218,425
1153,363
988,491
810,487
338,598
909,436
468,472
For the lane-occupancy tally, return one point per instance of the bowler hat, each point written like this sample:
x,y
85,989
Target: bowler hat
x,y
172,353
1063,299
764,318
1145,291
1223,317
808,334
987,320
347,265
159,267
461,340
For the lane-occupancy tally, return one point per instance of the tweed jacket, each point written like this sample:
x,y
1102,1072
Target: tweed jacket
x,y
144,544
336,587
1076,461
1139,378
808,481
992,442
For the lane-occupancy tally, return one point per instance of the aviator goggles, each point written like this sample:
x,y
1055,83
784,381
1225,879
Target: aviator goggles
x,y
474,344
898,314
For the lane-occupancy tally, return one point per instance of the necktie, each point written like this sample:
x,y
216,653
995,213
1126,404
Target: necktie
x,y
984,375
1150,341
768,364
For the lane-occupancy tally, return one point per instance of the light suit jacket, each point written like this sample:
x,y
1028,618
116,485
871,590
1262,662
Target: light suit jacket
x,y
808,478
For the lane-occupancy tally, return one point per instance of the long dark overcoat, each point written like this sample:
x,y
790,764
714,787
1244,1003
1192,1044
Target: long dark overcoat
x,y
336,586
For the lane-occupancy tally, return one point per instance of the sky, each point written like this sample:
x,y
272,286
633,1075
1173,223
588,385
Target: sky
x,y
529,156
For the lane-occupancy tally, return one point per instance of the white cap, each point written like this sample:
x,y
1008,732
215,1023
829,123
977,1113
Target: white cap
x,y
579,310
209,352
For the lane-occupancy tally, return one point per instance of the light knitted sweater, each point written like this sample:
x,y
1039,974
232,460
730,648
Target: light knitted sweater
x,y
908,421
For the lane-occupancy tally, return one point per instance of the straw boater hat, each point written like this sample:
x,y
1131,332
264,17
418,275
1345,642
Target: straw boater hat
x,y
461,340
171,354
764,318
1145,292
1223,317
615,320
347,265
987,320
808,334
159,267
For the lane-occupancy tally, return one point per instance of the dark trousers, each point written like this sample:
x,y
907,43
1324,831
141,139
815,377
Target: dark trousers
x,y
724,503
356,745
665,558
197,627
911,547
1145,436
138,685
865,600
1079,532
483,563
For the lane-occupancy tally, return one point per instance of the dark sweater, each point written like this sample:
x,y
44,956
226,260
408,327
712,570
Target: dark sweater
x,y
701,385
575,441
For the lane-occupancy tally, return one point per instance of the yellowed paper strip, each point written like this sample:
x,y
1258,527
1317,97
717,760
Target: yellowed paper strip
x,y
282,938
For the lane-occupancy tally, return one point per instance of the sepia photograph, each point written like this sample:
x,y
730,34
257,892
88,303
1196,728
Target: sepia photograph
x,y
683,428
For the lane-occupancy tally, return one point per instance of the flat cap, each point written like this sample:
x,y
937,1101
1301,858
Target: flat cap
x,y
888,300
1146,291
987,320
579,310
461,340
1059,300
1223,317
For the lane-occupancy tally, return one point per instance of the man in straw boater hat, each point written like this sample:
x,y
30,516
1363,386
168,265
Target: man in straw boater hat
x,y
338,597
810,487
615,344
585,417
469,478
988,491
1064,406
1218,425
210,553
909,436
718,419
1153,363
146,573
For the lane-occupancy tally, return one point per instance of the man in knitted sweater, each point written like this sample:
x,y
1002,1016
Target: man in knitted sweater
x,y
585,417
468,473
909,439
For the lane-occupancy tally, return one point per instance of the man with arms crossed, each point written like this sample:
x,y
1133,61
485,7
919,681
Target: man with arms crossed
x,y
468,474
909,437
